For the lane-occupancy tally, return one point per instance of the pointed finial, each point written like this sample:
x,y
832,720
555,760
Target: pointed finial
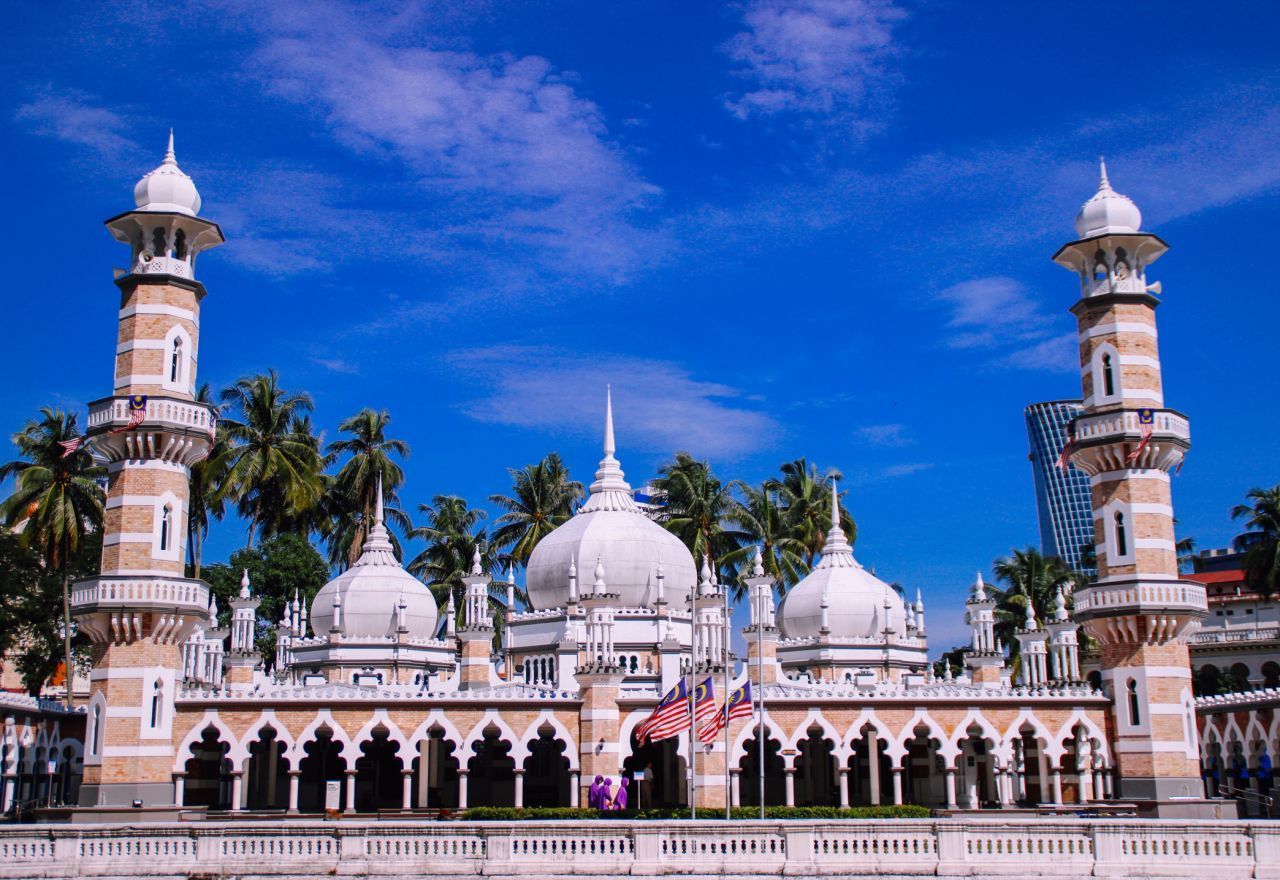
x,y
835,504
1103,183
475,560
1029,623
609,446
1060,605
244,585
511,574
706,570
979,588
377,510
599,583
169,155
757,564
919,599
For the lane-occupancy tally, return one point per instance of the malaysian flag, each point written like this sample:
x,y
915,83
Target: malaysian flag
x,y
669,717
1147,421
704,703
137,414
69,447
740,706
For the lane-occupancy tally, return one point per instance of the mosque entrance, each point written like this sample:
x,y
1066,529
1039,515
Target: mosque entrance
x,y
208,773
664,783
321,764
775,784
546,771
492,777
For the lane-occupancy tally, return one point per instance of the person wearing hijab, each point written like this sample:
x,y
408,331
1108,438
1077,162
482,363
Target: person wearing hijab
x,y
620,799
593,793
606,796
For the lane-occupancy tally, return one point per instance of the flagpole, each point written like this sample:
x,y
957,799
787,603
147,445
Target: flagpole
x,y
728,784
693,704
760,744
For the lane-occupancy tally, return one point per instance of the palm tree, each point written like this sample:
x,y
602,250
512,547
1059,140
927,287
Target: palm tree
x,y
542,498
1028,576
59,498
452,539
356,483
1262,559
207,477
272,462
806,496
763,521
344,526
697,509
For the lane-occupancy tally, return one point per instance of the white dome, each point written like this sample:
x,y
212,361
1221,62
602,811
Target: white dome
x,y
1107,212
167,188
371,591
859,605
611,528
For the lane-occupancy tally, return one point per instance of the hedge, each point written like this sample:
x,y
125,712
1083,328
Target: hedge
x,y
513,814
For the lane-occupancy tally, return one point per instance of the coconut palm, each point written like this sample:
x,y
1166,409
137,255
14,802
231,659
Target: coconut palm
x,y
763,521
355,486
1027,576
697,509
272,463
542,498
58,499
207,477
1262,559
806,496
344,525
452,539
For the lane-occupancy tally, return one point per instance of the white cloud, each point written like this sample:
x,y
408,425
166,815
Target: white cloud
x,y
890,436
337,365
818,57
658,406
904,470
996,314
76,118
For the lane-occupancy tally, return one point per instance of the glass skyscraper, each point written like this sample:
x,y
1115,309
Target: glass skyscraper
x,y
1063,503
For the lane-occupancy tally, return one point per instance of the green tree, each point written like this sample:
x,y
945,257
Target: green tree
x,y
764,524
698,508
273,464
1028,576
452,537
205,502
354,489
542,498
806,496
1262,559
57,498
279,568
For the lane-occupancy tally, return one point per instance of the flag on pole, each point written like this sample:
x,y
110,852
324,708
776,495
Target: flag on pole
x,y
740,706
137,414
1064,457
69,447
704,704
1147,420
668,718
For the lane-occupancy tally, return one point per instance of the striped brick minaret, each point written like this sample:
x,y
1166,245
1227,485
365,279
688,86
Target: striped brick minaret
x,y
1139,611
150,431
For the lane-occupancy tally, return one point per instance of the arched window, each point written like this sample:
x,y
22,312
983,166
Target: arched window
x,y
180,245
157,242
1108,377
1122,539
96,745
166,517
1134,717
175,360
157,696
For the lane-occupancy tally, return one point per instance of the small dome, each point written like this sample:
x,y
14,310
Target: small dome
x,y
610,527
1107,212
370,593
167,189
859,605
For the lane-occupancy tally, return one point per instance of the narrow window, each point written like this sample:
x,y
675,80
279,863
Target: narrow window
x,y
155,704
97,729
1122,540
180,245
1108,377
1134,718
157,242
165,517
175,361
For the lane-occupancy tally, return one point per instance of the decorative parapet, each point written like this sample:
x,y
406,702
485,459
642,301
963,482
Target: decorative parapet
x,y
1263,697
27,703
350,693
1156,597
1236,636
1101,442
931,692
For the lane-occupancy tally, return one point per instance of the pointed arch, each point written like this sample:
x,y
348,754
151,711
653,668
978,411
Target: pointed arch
x,y
520,750
971,718
394,735
324,718
1014,732
491,718
936,731
196,733
1080,719
436,718
893,747
267,718
816,718
748,732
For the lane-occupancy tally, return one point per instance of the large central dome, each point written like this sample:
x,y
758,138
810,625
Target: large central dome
x,y
610,527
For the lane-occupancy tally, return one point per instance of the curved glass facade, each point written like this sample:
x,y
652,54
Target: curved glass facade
x,y
1063,503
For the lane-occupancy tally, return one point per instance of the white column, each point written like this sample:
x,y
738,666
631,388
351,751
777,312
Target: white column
x,y
294,777
237,788
573,788
519,774
406,790
844,786
735,791
179,789
1057,786
897,786
873,765
350,805
951,788
791,786
8,793
1044,771
1097,784
462,788
273,770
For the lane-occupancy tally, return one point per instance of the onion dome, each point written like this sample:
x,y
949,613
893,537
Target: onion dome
x,y
610,527
167,189
372,591
839,597
1107,212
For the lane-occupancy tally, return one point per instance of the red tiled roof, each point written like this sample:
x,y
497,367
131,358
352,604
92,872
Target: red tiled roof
x,y
1233,576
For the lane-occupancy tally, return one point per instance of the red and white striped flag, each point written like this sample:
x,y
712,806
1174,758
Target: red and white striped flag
x,y
704,703
740,706
137,414
668,718
69,447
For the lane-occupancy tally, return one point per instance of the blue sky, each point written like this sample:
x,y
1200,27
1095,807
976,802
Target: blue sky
x,y
779,229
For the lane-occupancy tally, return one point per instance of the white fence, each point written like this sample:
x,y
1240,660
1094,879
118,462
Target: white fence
x,y
949,848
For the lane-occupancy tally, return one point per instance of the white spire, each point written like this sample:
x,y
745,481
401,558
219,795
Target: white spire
x,y
169,157
573,578
511,574
1029,623
835,505
377,548
166,188
979,592
244,585
704,585
610,491
757,564
919,600
377,510
599,584
836,552
476,571
1060,605
1107,211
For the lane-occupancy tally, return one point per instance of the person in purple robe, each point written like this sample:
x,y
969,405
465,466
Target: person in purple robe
x,y
593,793
620,799
606,796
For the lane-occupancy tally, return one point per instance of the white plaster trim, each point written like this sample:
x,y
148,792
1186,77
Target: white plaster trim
x,y
1154,544
1139,360
138,379
137,751
1148,745
157,309
1135,474
147,464
118,673
1147,672
1141,508
127,538
599,714
1166,709
131,501
140,344
1117,327
172,553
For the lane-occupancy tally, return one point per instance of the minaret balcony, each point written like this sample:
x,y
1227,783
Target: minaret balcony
x,y
1144,598
171,429
1130,438
122,608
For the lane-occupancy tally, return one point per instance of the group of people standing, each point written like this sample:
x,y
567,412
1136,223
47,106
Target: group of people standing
x,y
601,796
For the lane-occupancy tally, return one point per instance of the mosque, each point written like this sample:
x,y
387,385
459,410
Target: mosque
x,y
377,701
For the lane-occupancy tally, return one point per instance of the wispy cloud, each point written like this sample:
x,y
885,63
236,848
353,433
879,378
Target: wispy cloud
x,y
658,405
886,436
997,314
904,470
77,118
337,365
813,57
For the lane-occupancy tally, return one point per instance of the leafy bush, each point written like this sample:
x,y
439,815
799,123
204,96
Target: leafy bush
x,y
512,814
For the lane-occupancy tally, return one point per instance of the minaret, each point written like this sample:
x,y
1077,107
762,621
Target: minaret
x,y
150,431
1139,611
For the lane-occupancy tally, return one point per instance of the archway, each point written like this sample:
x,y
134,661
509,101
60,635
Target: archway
x,y
1271,674
207,780
870,770
775,790
815,771
546,771
322,763
437,789
924,779
975,777
267,773
1239,677
379,783
1208,681
664,767
1031,768
491,780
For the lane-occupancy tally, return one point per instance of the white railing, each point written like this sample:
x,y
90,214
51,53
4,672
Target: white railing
x,y
978,847
1173,595
1220,636
1165,422
131,591
164,410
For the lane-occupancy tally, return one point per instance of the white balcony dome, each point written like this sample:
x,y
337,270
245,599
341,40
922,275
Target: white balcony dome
x,y
1107,212
167,189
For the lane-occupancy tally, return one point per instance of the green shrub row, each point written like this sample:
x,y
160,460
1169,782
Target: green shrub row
x,y
514,814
